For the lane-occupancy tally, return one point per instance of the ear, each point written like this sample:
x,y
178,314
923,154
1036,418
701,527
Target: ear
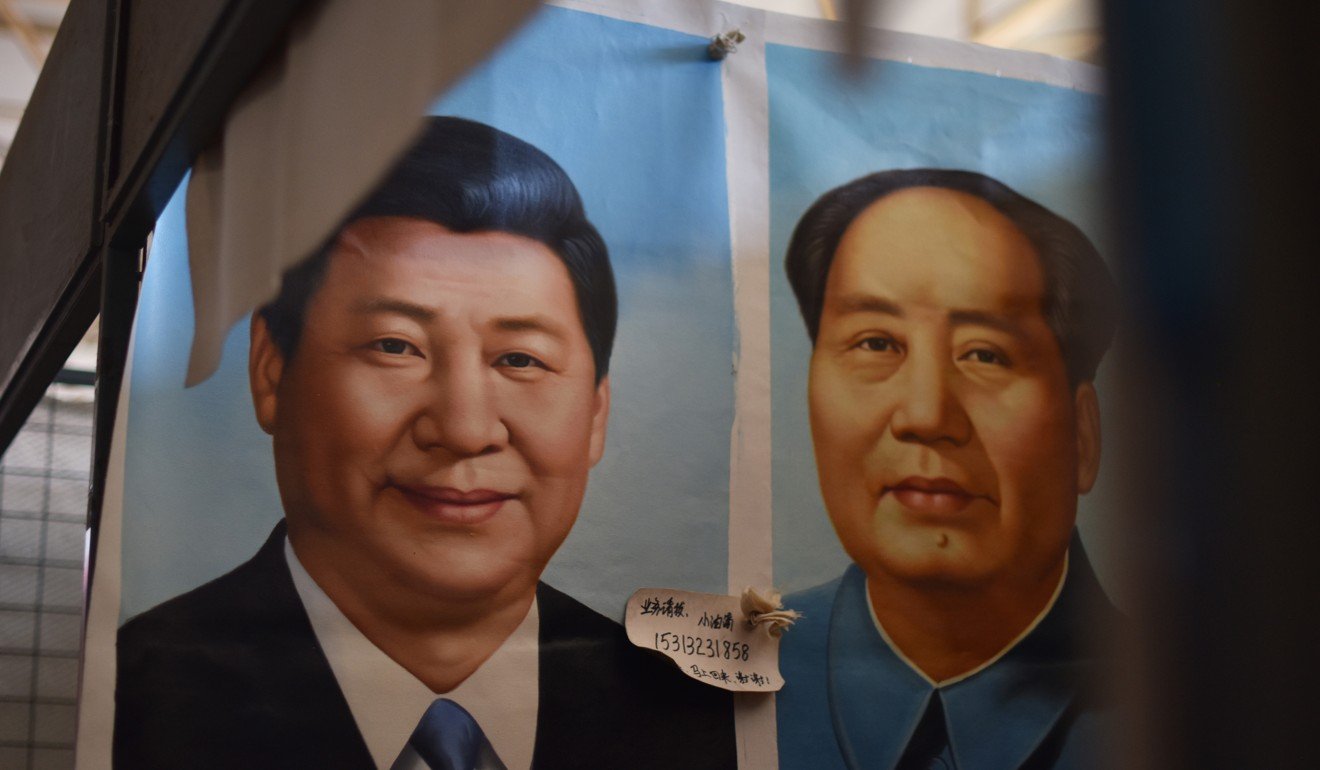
x,y
600,417
265,368
1086,410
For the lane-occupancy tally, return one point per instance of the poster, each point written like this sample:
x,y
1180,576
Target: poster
x,y
937,325
553,358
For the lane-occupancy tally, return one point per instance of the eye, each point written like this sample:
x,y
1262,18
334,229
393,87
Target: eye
x,y
878,345
519,361
984,356
393,346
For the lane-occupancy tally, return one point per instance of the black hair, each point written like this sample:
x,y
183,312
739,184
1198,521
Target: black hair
x,y
1081,299
470,177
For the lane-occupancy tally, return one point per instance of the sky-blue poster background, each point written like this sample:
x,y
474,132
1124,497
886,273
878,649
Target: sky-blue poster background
x,y
634,114
827,129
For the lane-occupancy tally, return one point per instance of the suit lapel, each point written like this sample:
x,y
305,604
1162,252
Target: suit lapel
x,y
569,687
296,695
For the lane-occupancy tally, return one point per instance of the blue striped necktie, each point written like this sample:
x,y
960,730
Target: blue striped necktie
x,y
448,738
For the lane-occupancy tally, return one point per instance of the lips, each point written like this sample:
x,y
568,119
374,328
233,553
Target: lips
x,y
448,505
936,497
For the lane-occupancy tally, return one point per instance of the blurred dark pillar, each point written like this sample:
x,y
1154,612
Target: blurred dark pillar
x,y
1217,189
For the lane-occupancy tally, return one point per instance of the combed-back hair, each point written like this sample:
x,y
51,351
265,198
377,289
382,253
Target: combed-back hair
x,y
1081,299
470,177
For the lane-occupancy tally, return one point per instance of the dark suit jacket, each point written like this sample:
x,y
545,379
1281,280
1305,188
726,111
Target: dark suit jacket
x,y
230,675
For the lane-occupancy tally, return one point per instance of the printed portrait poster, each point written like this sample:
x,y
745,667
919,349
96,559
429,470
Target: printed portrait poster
x,y
628,317
400,523
940,311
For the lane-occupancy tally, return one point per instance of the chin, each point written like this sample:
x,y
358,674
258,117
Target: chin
x,y
461,587
919,559
465,576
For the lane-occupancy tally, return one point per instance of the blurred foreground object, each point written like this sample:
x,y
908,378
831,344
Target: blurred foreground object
x,y
1215,182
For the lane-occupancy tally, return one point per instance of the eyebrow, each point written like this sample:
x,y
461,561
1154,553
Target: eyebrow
x,y
383,305
867,303
532,323
991,320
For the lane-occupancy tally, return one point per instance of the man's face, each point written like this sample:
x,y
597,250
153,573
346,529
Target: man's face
x,y
434,428
949,444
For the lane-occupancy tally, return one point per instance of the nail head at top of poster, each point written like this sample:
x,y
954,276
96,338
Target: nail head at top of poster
x,y
724,44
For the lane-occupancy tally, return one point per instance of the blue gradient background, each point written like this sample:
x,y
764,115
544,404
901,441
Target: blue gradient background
x,y
827,129
634,114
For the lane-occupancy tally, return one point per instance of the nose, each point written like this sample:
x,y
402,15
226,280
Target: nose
x,y
461,414
928,409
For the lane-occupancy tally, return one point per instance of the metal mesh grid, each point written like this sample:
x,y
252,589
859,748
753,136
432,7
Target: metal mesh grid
x,y
43,513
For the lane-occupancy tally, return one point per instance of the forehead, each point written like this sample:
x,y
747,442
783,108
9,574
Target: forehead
x,y
423,263
938,248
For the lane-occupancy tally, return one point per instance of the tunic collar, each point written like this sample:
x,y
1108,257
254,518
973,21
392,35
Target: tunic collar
x,y
996,716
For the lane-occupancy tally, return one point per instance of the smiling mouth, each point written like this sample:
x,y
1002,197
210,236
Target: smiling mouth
x,y
448,505
935,497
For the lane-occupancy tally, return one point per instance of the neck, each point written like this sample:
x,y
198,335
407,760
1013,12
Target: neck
x,y
438,641
947,631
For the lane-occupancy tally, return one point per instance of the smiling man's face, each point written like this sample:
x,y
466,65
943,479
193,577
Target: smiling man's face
x,y
949,443
434,428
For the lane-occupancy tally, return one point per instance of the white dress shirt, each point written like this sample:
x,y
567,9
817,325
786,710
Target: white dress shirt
x,y
387,701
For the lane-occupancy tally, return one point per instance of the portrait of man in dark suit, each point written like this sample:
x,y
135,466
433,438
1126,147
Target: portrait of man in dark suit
x,y
435,382
956,330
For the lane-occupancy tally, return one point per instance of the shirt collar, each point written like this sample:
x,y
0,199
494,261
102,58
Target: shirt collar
x,y
387,701
996,715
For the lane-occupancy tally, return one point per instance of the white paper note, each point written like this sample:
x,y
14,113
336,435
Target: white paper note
x,y
708,636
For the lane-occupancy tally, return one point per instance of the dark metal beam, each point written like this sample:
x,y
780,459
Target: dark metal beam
x,y
49,216
172,102
68,376
118,302
130,94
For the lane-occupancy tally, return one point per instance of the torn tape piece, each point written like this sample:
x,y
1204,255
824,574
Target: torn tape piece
x,y
766,608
